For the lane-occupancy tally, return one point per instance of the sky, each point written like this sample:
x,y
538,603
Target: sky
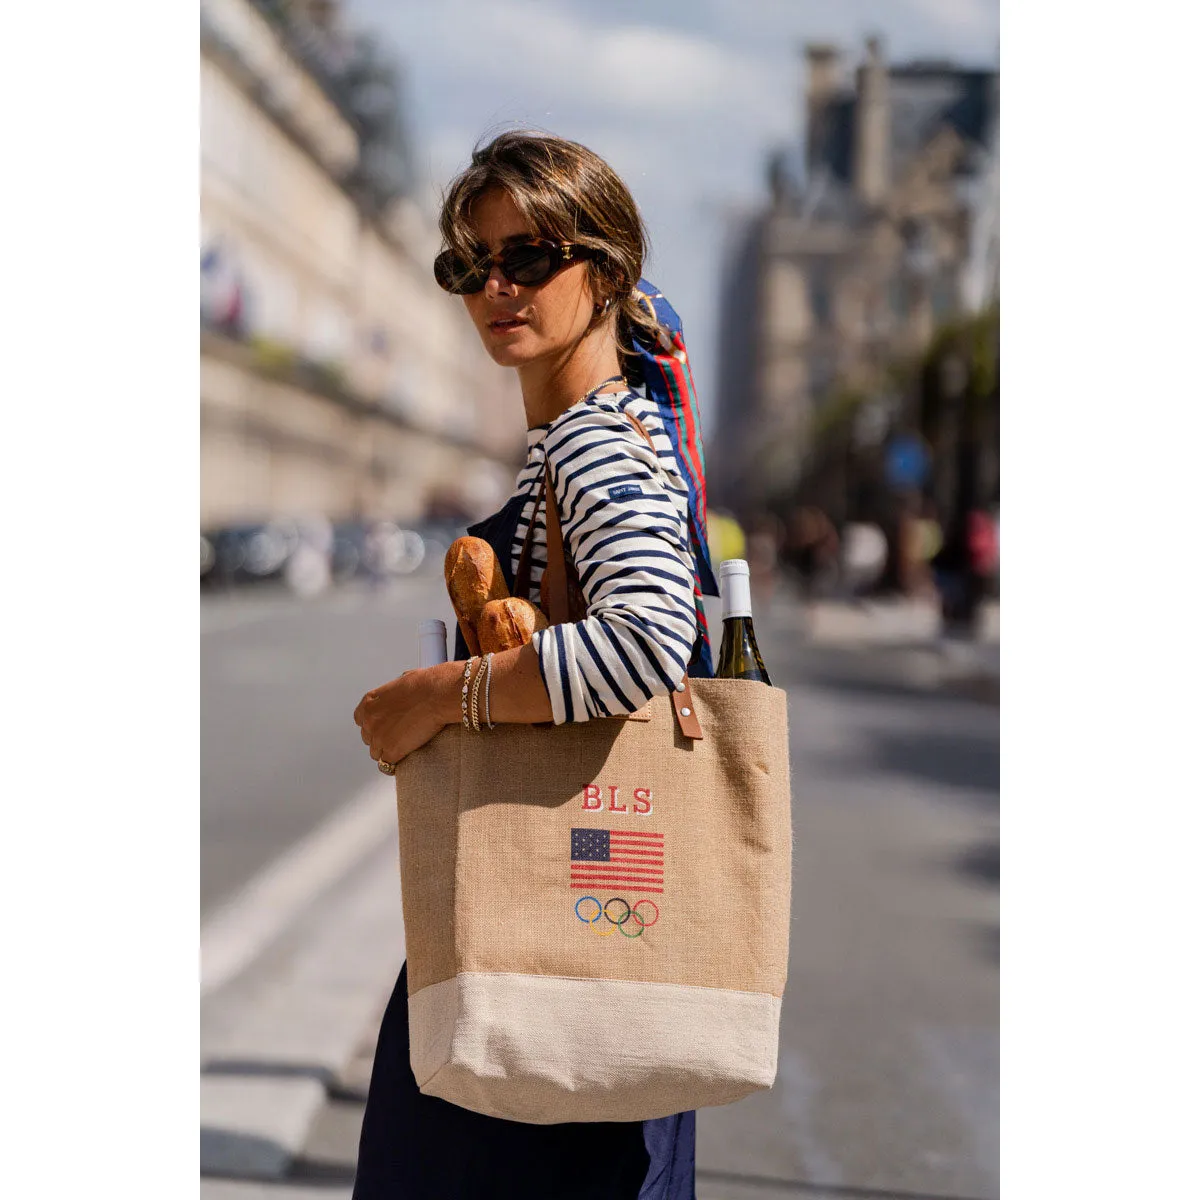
x,y
686,99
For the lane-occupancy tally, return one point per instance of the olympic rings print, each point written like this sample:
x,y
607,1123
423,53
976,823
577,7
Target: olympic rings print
x,y
617,921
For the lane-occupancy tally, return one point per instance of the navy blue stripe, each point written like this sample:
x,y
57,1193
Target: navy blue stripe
x,y
644,569
592,704
642,627
585,637
634,674
564,678
660,531
621,514
636,556
651,657
587,548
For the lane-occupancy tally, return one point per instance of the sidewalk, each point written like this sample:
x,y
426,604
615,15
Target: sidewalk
x,y
285,1042
891,622
906,636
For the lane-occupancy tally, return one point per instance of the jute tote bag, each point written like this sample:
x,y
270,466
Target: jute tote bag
x,y
597,914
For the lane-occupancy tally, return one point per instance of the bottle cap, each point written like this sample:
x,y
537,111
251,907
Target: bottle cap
x,y
735,588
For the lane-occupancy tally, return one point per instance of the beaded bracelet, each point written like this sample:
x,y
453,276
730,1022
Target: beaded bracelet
x,y
466,687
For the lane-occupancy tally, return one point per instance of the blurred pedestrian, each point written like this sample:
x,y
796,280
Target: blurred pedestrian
x,y
811,547
928,543
966,567
568,323
864,557
762,553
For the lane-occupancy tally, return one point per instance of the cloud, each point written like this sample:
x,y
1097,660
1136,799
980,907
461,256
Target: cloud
x,y
975,20
686,98
581,57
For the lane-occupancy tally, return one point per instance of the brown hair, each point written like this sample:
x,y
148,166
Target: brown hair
x,y
569,193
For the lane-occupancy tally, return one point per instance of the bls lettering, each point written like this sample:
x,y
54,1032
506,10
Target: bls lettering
x,y
593,800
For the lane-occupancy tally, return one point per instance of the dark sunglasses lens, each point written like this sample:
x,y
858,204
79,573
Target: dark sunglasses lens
x,y
457,276
529,264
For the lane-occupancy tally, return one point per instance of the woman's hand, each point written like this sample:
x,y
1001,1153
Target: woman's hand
x,y
400,717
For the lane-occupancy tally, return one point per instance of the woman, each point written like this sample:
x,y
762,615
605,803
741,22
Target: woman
x,y
545,245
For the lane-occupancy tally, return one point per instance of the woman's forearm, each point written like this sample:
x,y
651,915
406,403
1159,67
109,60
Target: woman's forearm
x,y
517,694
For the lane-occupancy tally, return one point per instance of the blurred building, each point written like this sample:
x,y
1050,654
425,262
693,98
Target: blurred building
x,y
885,226
336,378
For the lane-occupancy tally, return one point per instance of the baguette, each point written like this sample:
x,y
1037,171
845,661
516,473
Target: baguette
x,y
473,578
508,623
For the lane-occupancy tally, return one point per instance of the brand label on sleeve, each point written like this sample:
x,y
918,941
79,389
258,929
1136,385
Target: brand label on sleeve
x,y
624,490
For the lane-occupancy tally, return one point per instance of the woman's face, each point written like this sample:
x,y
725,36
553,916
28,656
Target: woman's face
x,y
521,324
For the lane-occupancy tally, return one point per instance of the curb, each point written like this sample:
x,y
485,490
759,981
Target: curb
x,y
277,1038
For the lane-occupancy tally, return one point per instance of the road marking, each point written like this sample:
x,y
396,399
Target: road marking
x,y
246,924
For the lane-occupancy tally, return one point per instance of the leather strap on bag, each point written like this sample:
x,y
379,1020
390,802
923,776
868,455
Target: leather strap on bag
x,y
563,603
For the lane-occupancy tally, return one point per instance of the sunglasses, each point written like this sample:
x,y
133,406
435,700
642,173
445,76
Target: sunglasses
x,y
526,263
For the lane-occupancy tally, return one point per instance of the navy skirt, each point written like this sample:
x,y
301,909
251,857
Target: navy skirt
x,y
417,1147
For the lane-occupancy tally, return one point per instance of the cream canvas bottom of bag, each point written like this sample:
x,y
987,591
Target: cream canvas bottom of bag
x,y
597,914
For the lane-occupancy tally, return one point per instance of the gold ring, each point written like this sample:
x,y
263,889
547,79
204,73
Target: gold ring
x,y
386,767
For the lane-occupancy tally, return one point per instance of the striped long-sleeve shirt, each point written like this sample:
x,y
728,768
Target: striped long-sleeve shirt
x,y
624,518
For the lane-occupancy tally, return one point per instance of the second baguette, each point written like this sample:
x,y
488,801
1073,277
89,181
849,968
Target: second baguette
x,y
508,623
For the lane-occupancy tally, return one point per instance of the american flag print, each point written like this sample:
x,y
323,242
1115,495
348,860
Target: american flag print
x,y
601,857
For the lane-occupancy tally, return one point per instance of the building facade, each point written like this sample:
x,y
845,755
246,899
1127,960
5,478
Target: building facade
x,y
337,379
886,226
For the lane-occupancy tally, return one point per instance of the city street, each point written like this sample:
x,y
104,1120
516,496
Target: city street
x,y
888,1068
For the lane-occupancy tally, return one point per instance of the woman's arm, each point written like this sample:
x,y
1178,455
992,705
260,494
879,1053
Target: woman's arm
x,y
629,545
622,520
401,716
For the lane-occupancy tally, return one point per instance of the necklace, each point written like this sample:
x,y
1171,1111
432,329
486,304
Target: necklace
x,y
589,395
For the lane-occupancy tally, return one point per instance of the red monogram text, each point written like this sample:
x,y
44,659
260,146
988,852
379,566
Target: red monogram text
x,y
593,800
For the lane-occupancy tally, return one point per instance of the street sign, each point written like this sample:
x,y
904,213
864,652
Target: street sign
x,y
906,462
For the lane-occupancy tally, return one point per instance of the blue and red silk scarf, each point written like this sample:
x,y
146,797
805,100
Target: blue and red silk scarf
x,y
662,372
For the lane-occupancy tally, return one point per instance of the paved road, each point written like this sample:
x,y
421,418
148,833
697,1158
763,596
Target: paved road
x,y
888,1070
279,680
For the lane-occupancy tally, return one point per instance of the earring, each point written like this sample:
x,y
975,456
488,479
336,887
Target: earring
x,y
598,310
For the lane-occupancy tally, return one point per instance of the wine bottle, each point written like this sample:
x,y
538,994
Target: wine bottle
x,y
431,643
740,658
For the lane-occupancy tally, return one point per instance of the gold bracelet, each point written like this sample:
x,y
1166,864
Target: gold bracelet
x,y
466,687
475,696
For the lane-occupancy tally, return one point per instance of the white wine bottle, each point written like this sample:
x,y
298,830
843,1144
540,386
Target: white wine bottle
x,y
740,658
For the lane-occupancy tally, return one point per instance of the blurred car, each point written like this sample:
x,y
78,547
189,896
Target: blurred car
x,y
309,554
392,551
246,553
376,550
